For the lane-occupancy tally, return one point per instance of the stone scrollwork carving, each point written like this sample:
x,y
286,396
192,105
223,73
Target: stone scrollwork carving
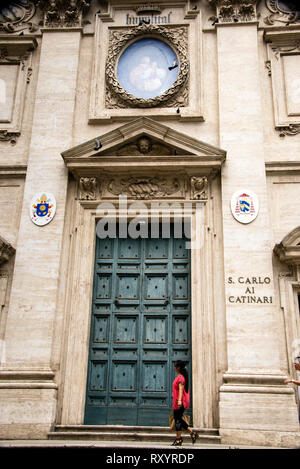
x,y
11,137
6,251
229,11
88,188
17,16
144,187
291,129
282,12
199,187
63,13
117,96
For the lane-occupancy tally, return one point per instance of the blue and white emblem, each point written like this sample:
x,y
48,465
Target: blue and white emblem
x,y
244,206
42,208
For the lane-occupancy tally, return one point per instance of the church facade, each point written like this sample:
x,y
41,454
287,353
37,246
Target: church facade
x,y
149,180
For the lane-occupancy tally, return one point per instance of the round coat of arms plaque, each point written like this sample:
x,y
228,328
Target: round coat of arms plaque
x,y
42,208
244,206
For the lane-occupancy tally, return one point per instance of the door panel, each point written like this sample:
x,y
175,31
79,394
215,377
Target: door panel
x,y
140,326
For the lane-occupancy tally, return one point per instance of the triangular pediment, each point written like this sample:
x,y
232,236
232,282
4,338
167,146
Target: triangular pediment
x,y
142,142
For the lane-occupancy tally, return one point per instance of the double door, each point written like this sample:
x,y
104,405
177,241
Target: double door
x,y
140,326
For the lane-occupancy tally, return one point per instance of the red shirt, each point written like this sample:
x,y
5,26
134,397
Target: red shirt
x,y
185,396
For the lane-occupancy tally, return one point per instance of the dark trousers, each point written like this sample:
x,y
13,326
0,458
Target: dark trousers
x,y
179,423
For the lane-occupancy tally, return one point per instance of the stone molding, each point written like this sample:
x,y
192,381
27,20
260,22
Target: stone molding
x,y
280,13
234,11
6,251
281,45
118,41
16,50
288,250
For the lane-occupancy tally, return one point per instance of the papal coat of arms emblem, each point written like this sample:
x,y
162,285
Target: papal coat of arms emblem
x,y
244,206
42,208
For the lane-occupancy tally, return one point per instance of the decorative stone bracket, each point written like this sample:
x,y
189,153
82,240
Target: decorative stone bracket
x,y
288,250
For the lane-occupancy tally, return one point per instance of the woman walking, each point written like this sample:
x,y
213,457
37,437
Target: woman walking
x,y
181,401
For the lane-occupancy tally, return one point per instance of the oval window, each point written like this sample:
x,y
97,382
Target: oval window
x,y
147,68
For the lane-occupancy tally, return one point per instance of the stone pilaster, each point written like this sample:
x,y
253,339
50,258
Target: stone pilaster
x,y
252,397
29,329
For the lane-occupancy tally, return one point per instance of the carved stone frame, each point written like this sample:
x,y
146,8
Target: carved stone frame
x,y
17,51
109,101
198,160
175,37
280,44
288,252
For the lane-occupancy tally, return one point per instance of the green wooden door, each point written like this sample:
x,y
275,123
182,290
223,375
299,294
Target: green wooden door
x,y
140,326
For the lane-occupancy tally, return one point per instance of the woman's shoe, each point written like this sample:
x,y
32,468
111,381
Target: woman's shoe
x,y
177,442
194,436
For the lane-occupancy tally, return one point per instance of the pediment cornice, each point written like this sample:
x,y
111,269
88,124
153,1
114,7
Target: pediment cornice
x,y
288,250
120,148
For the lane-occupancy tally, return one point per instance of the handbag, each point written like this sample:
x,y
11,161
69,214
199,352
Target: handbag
x,y
185,418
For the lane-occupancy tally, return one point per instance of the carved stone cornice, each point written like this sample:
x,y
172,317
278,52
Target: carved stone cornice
x,y
281,12
288,251
176,95
6,251
234,11
63,13
17,16
288,254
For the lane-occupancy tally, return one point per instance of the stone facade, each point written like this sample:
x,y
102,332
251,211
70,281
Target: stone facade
x,y
230,121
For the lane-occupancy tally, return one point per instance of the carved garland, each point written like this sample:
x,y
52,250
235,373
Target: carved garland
x,y
177,37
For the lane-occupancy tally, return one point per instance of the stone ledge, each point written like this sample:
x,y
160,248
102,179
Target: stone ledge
x,y
260,438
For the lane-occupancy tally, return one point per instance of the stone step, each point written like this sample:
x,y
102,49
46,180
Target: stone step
x,y
125,429
125,433
129,436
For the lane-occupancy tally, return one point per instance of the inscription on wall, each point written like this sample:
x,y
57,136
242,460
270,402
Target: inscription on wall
x,y
148,19
249,290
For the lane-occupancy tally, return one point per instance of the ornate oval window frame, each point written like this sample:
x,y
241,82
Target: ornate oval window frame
x,y
174,37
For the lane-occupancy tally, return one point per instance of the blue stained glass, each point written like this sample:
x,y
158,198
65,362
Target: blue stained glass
x,y
143,68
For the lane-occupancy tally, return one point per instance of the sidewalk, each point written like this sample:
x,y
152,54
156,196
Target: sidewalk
x,y
119,445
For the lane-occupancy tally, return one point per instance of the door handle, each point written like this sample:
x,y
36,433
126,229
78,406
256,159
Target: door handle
x,y
117,302
166,302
